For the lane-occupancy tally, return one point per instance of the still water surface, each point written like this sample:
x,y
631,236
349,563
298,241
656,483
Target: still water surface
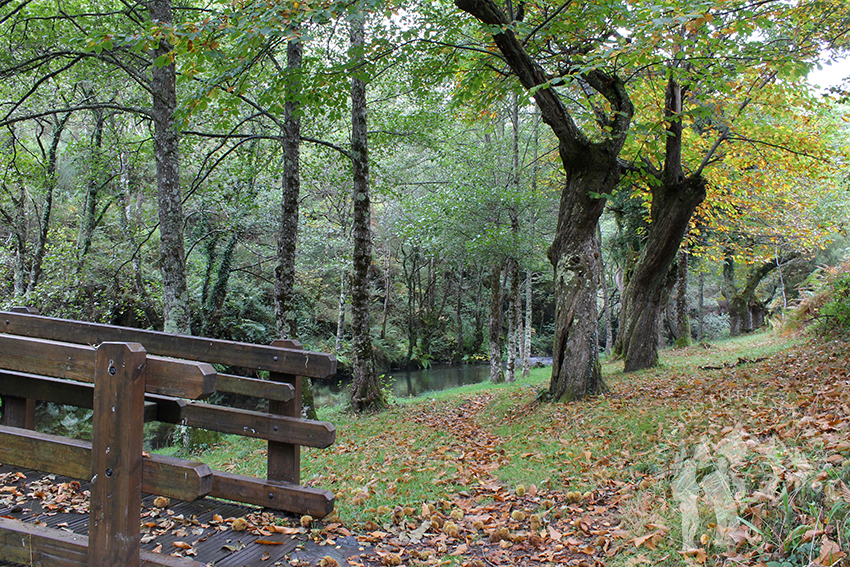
x,y
408,383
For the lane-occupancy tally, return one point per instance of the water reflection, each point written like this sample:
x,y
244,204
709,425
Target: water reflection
x,y
408,383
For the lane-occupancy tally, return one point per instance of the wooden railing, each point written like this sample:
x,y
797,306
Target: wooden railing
x,y
132,376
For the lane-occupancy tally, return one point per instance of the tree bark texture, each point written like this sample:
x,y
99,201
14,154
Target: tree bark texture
x,y
286,316
366,392
175,292
592,171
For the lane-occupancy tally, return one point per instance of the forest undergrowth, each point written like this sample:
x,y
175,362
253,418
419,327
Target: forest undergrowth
x,y
734,453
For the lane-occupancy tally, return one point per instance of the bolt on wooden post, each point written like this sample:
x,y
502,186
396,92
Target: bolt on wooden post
x,y
117,433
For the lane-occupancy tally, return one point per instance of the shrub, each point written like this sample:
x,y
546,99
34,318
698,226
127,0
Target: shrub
x,y
715,326
825,301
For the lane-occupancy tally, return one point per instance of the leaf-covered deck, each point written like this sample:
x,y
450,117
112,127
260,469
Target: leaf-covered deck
x,y
209,531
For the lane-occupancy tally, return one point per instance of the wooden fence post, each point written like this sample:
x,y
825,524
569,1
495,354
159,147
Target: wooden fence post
x,y
284,459
19,412
117,432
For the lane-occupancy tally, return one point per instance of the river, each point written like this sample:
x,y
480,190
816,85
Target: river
x,y
409,383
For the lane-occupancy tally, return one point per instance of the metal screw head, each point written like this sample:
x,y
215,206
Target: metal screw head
x,y
275,358
275,427
271,495
108,472
113,370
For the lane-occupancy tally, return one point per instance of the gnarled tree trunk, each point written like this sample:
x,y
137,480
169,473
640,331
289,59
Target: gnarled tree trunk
x,y
674,199
592,171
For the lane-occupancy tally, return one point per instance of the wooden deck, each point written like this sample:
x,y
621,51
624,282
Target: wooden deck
x,y
61,502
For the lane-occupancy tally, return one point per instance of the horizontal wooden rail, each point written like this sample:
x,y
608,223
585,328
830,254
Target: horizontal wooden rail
x,y
260,357
278,495
29,544
55,390
165,476
247,423
163,376
254,388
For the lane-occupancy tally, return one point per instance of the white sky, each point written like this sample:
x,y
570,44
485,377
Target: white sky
x,y
831,75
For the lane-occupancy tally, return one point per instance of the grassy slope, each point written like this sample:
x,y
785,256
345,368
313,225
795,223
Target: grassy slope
x,y
778,426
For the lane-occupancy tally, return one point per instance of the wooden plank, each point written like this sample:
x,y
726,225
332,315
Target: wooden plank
x,y
46,389
116,461
45,452
29,544
277,495
18,412
252,387
283,429
56,390
165,476
261,357
165,376
176,478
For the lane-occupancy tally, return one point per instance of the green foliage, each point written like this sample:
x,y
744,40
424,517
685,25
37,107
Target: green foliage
x,y
828,301
715,326
68,421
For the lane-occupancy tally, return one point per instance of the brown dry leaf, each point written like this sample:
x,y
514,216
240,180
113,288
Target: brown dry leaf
x,y
182,545
639,541
830,552
269,542
698,555
286,530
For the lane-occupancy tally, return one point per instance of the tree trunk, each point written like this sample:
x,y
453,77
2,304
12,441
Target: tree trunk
x,y
459,313
576,372
674,199
512,269
526,358
606,304
495,324
701,307
36,268
387,288
480,306
592,171
683,322
740,319
366,392
88,221
286,316
340,311
175,292
214,303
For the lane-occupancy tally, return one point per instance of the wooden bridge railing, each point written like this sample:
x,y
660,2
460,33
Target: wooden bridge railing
x,y
134,376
